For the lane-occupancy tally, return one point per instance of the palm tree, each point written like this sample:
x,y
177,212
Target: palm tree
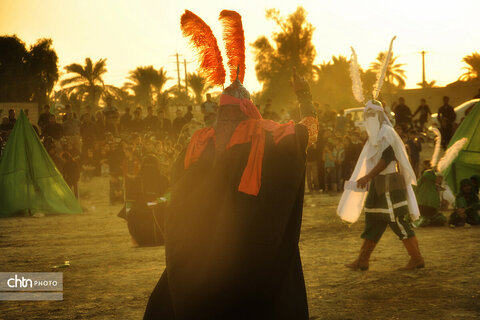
x,y
473,68
87,80
197,84
147,85
158,82
395,75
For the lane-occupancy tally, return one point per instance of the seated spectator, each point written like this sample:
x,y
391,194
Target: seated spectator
x,y
467,205
476,183
428,197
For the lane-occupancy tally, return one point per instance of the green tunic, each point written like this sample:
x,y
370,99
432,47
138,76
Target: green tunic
x,y
426,190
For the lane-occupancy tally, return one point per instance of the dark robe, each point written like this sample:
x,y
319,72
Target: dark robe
x,y
230,255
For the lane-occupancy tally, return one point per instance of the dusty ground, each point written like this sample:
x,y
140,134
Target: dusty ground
x,y
109,279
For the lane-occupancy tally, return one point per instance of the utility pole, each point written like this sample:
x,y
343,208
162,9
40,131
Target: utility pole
x,y
423,66
178,73
186,77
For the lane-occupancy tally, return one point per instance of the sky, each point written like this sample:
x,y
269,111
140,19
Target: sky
x,y
147,32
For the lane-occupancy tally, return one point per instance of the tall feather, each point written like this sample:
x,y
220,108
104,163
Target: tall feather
x,y
202,39
357,86
436,151
383,71
234,39
451,154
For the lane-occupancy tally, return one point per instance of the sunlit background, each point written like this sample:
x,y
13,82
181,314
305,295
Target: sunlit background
x,y
146,32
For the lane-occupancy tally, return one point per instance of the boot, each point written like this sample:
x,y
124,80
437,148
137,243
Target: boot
x,y
416,259
362,261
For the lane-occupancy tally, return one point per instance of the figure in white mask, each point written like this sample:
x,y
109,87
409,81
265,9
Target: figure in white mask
x,y
381,184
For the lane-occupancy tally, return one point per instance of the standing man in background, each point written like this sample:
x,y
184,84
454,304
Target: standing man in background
x,y
403,115
424,113
209,109
446,118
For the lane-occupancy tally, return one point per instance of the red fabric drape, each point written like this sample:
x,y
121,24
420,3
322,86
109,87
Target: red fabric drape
x,y
251,131
199,141
254,131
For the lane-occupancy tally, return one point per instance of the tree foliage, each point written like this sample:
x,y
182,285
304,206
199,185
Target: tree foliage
x,y
147,85
27,75
196,83
292,47
86,81
332,84
473,67
394,77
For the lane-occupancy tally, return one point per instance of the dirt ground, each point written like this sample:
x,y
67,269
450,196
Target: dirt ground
x,y
110,279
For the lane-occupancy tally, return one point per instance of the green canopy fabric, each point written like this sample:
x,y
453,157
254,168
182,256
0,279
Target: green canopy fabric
x,y
467,163
29,179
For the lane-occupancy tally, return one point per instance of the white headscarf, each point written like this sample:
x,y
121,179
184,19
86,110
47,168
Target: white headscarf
x,y
352,201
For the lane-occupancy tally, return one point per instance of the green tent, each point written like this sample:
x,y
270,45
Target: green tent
x,y
467,163
29,179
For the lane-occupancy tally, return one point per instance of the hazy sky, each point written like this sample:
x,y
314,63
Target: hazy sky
x,y
146,32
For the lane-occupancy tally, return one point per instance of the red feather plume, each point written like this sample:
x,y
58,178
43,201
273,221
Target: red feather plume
x,y
202,39
234,39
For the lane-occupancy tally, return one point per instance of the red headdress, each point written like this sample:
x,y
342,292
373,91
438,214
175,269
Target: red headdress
x,y
234,39
253,128
203,40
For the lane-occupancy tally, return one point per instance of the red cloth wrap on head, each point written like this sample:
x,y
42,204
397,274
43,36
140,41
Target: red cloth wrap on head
x,y
251,131
246,105
254,130
199,141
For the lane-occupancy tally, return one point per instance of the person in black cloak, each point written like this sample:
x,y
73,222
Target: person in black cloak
x,y
145,217
233,222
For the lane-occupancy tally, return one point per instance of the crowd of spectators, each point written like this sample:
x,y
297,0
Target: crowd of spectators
x,y
104,142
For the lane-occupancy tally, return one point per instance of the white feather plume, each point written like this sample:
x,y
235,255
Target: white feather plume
x,y
381,74
438,143
357,86
451,154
